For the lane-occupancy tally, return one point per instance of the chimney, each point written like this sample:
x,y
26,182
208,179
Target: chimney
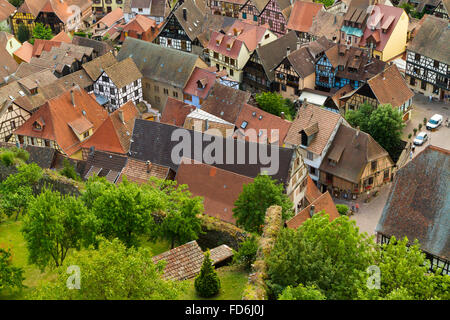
x,y
282,115
72,97
357,131
288,51
148,163
121,115
311,210
185,14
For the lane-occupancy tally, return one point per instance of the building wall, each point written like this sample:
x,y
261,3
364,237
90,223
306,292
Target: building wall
x,y
12,45
11,119
154,93
26,18
106,6
296,187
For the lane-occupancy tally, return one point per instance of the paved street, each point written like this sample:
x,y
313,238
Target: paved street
x,y
369,213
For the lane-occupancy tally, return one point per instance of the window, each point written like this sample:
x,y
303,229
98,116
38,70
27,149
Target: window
x,y
309,155
329,178
244,15
136,93
157,99
231,72
282,26
216,55
368,182
10,109
386,174
255,18
156,89
263,21
283,87
100,88
232,62
436,64
112,91
166,91
113,101
412,81
13,124
374,165
417,57
244,124
135,83
313,171
86,134
175,94
125,99
124,90
105,79
423,85
266,36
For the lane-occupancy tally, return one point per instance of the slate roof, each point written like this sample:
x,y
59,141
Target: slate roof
x,y
152,141
302,15
323,202
418,205
357,151
272,53
194,18
219,188
184,262
26,69
159,63
175,112
308,116
104,164
432,39
225,102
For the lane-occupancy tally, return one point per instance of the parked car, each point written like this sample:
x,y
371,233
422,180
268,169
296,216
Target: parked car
x,y
434,122
420,139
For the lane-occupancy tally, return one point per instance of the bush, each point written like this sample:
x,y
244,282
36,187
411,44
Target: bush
x,y
302,293
207,283
342,209
69,171
246,255
7,158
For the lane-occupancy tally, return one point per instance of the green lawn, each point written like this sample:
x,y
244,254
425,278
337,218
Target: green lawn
x,y
233,281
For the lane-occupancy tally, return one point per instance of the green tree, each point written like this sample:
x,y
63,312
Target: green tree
x,y
16,3
332,255
54,224
10,276
326,3
384,124
246,255
274,103
251,205
180,223
16,191
302,293
68,171
113,272
342,209
207,283
22,33
404,274
124,211
42,32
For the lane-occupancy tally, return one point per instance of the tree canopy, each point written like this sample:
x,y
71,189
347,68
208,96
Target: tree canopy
x,y
274,103
112,272
251,205
301,293
10,276
42,32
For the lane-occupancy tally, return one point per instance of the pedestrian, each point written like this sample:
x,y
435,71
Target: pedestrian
x,y
357,208
413,148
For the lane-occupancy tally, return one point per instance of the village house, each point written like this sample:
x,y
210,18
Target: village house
x,y
9,64
118,84
104,164
274,13
232,50
326,24
301,18
385,32
114,134
219,188
6,10
156,10
26,14
108,26
229,8
387,87
254,124
259,71
297,70
63,123
312,133
8,42
199,86
24,53
428,59
438,8
100,48
341,65
418,205
140,27
59,16
175,112
354,164
353,27
103,7
202,121
165,71
142,171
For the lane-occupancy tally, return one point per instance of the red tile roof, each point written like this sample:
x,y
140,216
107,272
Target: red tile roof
x,y
25,52
6,9
57,113
41,45
257,120
219,188
113,135
324,202
111,18
140,172
302,15
175,112
62,37
312,192
199,74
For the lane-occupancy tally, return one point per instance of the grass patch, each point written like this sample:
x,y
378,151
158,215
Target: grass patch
x,y
233,280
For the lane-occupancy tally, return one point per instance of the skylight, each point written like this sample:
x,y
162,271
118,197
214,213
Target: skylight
x,y
244,124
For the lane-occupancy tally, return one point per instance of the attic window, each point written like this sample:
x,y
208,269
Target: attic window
x,y
37,126
254,114
260,117
244,124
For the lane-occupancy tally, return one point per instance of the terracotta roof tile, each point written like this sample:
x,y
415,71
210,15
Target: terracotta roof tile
x,y
6,9
302,15
62,37
25,52
207,78
123,73
94,67
140,172
312,192
175,112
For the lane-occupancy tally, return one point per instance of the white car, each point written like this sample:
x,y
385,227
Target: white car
x,y
420,139
434,122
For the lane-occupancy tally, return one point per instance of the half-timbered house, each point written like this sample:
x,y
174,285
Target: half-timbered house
x,y
26,14
301,19
119,83
229,8
428,59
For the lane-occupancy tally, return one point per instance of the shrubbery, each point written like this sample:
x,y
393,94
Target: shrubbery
x,y
207,283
